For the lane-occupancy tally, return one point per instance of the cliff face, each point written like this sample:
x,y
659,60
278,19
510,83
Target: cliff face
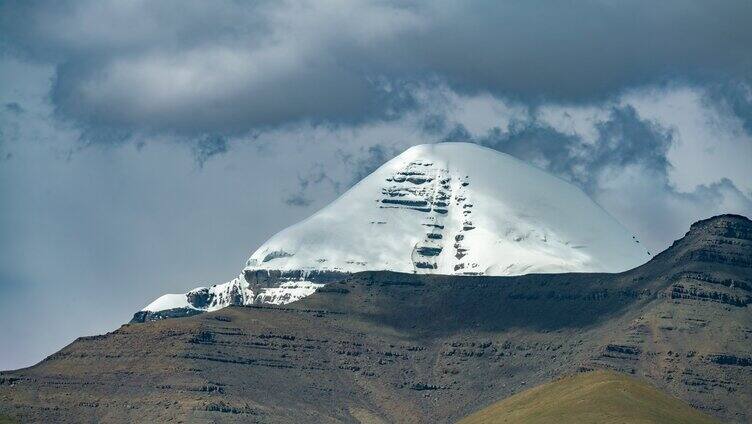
x,y
695,339
420,348
723,240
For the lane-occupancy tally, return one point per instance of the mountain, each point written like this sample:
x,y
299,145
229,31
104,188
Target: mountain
x,y
403,347
449,208
599,397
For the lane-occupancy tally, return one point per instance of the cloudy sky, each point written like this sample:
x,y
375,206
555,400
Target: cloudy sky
x,y
149,147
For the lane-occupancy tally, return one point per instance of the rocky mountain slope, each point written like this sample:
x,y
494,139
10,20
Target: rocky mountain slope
x,y
598,397
395,347
449,208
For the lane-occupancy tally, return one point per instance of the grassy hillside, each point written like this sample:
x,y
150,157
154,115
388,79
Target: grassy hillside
x,y
593,397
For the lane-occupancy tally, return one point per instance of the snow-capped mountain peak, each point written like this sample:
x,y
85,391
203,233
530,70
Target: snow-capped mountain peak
x,y
455,208
449,208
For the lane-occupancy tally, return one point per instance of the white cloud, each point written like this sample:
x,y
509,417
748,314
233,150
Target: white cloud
x,y
709,146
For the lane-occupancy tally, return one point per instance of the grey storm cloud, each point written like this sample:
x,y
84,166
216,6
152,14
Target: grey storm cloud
x,y
734,98
209,146
624,139
625,168
365,162
359,164
190,67
316,175
14,107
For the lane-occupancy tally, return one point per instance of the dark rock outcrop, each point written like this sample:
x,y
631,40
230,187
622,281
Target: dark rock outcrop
x,y
144,316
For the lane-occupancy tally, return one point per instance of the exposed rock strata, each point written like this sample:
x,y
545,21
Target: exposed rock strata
x,y
419,348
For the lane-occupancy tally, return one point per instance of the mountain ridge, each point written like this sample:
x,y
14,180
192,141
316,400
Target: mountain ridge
x,y
402,347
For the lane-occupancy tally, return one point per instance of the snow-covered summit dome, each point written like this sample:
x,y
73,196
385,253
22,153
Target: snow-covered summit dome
x,y
456,208
448,208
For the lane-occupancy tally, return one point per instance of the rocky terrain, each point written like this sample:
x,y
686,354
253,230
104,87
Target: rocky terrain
x,y
393,347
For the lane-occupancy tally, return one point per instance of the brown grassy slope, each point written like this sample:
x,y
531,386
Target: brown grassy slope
x,y
593,397
7,420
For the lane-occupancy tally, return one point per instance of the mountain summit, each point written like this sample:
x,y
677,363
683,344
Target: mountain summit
x,y
456,208
449,208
